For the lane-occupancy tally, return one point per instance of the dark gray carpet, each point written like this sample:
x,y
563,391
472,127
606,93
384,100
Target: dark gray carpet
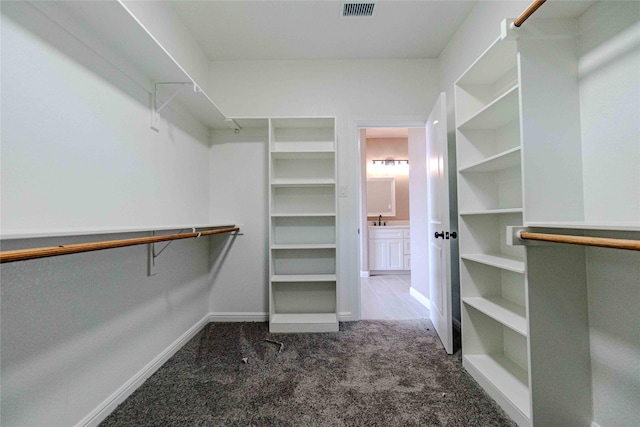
x,y
371,373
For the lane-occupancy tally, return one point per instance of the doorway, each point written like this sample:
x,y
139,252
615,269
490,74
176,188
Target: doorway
x,y
393,209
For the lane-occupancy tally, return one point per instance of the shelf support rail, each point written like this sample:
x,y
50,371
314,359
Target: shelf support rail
x,y
155,109
604,242
528,12
35,253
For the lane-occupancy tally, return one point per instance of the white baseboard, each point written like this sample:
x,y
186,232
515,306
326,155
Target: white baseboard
x,y
364,274
238,317
421,298
98,415
346,316
101,412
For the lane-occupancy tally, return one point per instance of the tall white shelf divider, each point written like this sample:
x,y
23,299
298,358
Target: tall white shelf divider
x,y
303,225
492,274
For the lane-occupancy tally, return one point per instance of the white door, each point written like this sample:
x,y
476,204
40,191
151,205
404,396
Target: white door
x,y
438,215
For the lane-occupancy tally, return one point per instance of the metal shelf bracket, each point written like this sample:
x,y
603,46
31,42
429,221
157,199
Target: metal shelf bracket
x,y
155,109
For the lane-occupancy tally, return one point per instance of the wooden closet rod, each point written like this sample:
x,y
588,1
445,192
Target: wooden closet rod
x,y
25,254
528,12
603,242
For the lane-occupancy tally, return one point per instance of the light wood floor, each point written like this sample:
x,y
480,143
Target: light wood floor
x,y
387,297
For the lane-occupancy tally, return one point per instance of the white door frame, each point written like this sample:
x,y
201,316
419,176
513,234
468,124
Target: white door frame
x,y
362,222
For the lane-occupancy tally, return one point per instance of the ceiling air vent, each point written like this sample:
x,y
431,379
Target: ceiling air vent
x,y
357,9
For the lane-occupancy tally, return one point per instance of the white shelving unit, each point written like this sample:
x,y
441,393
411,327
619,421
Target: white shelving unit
x,y
527,313
490,195
303,225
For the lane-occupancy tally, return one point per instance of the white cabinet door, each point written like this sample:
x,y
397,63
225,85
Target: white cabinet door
x,y
386,254
395,260
378,254
407,262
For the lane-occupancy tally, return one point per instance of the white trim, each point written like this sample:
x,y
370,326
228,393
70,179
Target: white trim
x,y
101,412
346,316
364,273
421,298
238,317
594,424
355,123
390,272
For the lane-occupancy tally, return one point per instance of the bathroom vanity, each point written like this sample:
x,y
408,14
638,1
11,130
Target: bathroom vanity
x,y
389,248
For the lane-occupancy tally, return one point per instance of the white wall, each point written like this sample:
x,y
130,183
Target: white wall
x,y
419,211
239,190
362,190
77,152
609,73
608,67
355,91
613,291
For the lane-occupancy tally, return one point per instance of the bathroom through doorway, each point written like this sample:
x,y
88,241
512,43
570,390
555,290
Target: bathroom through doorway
x,y
393,207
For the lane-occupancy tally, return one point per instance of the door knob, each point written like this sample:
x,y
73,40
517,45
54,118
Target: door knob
x,y
441,234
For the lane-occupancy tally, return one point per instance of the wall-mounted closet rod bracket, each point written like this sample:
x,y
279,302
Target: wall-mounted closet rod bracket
x,y
513,237
152,254
155,109
151,248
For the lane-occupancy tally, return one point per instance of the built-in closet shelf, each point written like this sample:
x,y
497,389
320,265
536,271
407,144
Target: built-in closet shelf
x,y
303,253
491,211
501,261
110,24
291,153
494,63
303,278
509,379
504,160
304,246
504,311
495,115
308,322
302,182
302,152
303,215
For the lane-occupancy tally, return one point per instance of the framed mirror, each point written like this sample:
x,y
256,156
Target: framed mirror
x,y
381,196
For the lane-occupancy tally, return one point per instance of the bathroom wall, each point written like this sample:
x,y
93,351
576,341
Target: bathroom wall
x,y
391,148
